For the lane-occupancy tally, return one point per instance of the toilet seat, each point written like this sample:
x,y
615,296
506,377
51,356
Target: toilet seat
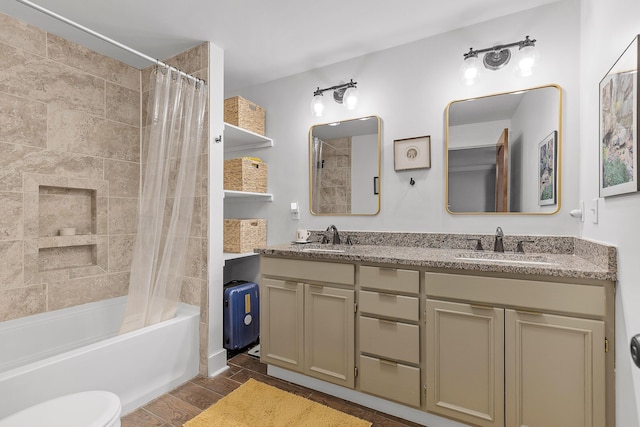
x,y
85,409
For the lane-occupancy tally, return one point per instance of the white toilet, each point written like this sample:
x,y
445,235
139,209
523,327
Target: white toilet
x,y
86,409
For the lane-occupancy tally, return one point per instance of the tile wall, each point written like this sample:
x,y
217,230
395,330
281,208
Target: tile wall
x,y
335,190
70,156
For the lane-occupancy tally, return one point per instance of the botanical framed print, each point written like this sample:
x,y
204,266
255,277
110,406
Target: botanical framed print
x,y
619,125
412,153
547,169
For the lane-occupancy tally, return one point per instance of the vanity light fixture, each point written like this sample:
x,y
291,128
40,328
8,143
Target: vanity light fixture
x,y
345,94
497,57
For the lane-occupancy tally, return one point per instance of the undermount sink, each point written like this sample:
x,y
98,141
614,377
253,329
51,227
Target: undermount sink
x,y
502,258
338,251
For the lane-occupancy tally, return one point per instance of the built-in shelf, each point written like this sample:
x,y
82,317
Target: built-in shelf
x,y
247,195
228,256
67,241
238,139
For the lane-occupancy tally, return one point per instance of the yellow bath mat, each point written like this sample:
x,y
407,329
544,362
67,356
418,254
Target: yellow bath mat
x,y
258,404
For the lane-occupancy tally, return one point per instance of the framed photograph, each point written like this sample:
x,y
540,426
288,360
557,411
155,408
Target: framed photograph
x,y
619,125
412,153
547,169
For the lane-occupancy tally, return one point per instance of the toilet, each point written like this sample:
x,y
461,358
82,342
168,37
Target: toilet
x,y
85,409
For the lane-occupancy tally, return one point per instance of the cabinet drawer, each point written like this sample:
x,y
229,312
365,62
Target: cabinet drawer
x,y
393,340
390,279
316,271
528,294
393,381
396,306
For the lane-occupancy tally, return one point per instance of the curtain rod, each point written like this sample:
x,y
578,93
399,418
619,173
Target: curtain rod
x,y
103,37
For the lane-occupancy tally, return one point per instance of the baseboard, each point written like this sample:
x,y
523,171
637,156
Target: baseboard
x,y
217,362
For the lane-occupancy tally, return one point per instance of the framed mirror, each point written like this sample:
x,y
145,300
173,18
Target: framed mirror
x,y
344,167
504,153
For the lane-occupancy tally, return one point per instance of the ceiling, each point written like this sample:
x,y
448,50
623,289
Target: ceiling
x,y
263,40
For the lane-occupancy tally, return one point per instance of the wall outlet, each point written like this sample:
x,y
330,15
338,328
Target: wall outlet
x,y
295,211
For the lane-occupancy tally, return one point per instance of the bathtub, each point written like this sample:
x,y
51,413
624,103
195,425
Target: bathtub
x,y
77,349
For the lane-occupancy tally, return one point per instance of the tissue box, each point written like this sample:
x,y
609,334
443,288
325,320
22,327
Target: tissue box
x,y
243,235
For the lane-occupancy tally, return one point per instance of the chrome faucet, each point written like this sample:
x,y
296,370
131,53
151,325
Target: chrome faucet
x,y
336,237
498,245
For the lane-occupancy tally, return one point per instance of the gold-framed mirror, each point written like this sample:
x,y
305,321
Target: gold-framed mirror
x,y
344,167
504,153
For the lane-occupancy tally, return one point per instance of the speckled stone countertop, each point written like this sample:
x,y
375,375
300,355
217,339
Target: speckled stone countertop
x,y
568,257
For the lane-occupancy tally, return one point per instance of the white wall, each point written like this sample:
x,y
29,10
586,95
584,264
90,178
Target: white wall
x,y
409,87
607,27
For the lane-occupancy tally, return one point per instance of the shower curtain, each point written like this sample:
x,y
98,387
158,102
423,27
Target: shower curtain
x,y
173,137
316,176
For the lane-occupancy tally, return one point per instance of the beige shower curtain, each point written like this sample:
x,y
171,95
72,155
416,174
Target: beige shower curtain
x,y
173,138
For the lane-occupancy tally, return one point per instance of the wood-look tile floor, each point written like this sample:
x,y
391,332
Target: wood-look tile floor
x,y
185,402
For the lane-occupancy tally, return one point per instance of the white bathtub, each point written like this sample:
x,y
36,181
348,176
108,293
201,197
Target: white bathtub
x,y
77,349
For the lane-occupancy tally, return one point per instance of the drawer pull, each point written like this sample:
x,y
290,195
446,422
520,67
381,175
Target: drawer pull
x,y
388,362
530,313
387,269
481,307
388,322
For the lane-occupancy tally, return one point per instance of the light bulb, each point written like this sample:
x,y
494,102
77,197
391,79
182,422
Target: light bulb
x,y
317,105
470,70
350,98
527,59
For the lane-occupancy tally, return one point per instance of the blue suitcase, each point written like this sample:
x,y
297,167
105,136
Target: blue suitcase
x,y
241,314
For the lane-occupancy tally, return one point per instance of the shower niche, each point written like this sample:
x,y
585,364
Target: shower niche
x,y
68,219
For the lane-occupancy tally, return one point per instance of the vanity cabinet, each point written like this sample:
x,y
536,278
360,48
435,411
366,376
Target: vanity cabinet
x,y
308,318
465,362
389,334
532,352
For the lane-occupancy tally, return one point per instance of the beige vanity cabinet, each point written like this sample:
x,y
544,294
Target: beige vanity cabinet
x,y
389,334
555,370
520,353
307,318
465,362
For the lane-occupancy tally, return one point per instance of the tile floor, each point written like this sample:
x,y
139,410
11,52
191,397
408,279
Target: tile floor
x,y
185,402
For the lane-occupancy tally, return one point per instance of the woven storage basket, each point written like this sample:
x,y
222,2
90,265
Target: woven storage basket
x,y
243,235
245,174
244,114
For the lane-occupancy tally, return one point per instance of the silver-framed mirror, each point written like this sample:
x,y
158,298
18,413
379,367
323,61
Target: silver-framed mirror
x,y
344,167
504,153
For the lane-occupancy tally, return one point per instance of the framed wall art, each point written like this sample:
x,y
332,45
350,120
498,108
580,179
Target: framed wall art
x,y
547,169
619,125
412,153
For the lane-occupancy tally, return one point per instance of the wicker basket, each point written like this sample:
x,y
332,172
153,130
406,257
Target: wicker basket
x,y
244,114
243,235
245,174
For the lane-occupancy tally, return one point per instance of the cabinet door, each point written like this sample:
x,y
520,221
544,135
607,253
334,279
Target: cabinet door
x,y
554,371
281,320
329,334
465,362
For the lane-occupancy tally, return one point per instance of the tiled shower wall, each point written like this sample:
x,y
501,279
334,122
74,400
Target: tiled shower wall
x,y
70,157
335,190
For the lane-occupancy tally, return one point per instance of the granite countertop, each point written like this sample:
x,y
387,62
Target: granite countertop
x,y
600,266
